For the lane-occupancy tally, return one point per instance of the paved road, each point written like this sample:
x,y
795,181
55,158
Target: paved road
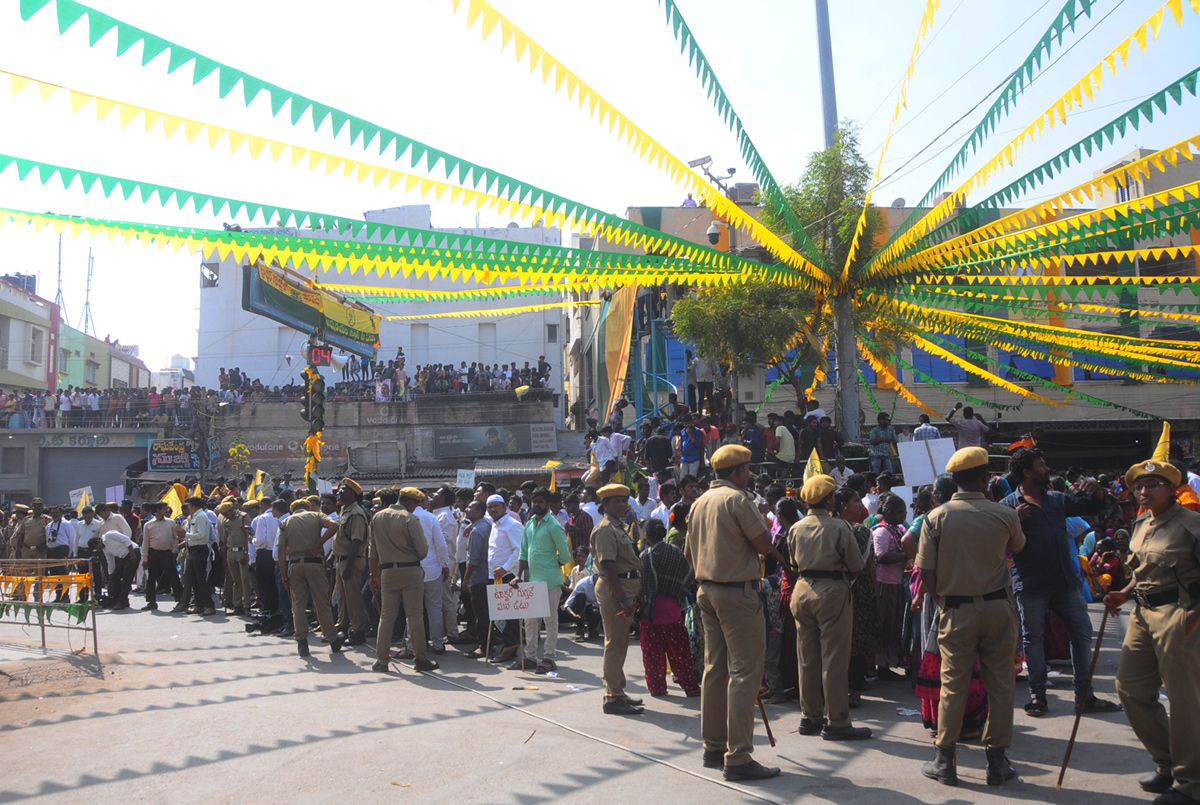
x,y
184,709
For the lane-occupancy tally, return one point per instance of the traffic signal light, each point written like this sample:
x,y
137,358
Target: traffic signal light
x,y
316,405
306,398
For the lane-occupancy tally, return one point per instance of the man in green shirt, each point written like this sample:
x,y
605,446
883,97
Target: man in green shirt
x,y
544,551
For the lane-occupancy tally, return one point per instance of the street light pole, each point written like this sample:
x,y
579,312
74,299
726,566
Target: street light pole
x,y
847,406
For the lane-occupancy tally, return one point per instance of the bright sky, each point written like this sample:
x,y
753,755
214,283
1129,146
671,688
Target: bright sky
x,y
414,68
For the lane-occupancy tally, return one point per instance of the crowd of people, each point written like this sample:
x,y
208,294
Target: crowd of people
x,y
745,587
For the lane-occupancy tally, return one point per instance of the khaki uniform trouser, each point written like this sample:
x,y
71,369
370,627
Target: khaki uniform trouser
x,y
396,585
237,577
987,630
735,647
309,579
616,633
824,616
349,593
1157,650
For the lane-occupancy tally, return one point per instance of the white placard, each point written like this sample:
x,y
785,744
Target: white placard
x,y
78,496
114,494
924,461
465,479
324,487
527,601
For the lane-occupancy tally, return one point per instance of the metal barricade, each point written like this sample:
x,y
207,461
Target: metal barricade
x,y
26,584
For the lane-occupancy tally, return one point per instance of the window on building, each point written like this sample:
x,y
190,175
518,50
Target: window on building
x,y
210,275
64,356
1124,193
120,384
37,344
12,461
551,333
89,372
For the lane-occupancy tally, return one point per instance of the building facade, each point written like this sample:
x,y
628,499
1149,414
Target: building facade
x,y
232,337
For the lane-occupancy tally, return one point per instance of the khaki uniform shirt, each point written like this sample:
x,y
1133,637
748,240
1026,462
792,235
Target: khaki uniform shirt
x,y
396,535
352,526
32,530
612,542
1166,549
231,529
965,542
823,542
721,524
301,532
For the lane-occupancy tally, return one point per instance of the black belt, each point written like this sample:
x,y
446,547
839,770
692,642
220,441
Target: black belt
x,y
840,575
390,565
956,601
633,574
727,583
239,550
306,560
1167,596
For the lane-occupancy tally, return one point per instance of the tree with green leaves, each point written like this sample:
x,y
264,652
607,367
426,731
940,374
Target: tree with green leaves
x,y
781,327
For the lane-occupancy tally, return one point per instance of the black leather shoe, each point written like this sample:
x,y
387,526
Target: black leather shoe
x,y
634,702
1156,782
714,759
335,645
381,667
426,665
750,771
1174,797
150,607
846,733
943,767
302,648
810,727
622,707
999,770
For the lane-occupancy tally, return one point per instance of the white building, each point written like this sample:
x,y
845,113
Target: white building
x,y
231,337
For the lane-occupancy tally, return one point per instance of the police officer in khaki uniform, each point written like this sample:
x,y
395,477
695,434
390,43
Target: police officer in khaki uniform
x,y
826,555
350,553
302,571
398,544
9,549
725,537
232,528
29,538
1162,643
963,562
614,552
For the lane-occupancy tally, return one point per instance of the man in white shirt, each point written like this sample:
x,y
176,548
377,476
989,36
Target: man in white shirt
x,y
111,519
123,558
85,529
840,471
972,430
436,566
264,531
785,443
815,409
587,502
159,544
606,454
668,494
60,536
443,510
642,505
504,553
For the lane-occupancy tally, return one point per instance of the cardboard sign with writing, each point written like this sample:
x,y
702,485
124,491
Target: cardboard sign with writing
x,y
527,601
465,479
924,461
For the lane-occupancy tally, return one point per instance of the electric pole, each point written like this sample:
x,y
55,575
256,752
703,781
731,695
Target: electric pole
x,y
843,306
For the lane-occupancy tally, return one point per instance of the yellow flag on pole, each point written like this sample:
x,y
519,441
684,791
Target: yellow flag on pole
x,y
813,467
171,498
84,500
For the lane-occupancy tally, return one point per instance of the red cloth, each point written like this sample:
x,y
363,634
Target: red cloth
x,y
660,643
